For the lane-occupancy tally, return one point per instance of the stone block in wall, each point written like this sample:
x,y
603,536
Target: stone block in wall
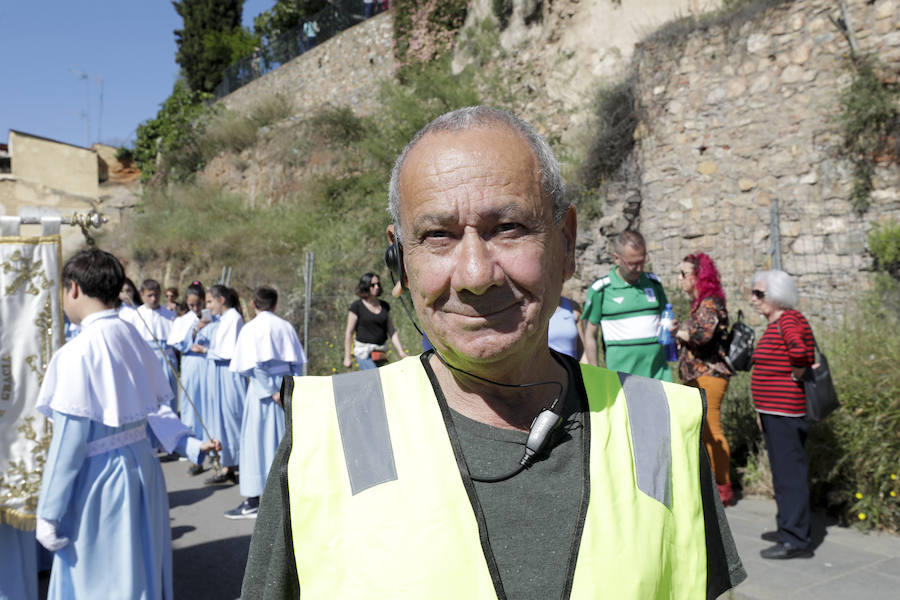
x,y
807,244
852,243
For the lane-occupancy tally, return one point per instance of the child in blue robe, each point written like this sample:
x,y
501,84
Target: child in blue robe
x,y
267,350
103,507
187,330
226,390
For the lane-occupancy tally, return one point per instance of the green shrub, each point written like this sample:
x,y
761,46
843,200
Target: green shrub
x,y
884,243
871,125
227,131
195,230
864,354
755,476
124,154
170,139
739,421
271,109
337,124
615,120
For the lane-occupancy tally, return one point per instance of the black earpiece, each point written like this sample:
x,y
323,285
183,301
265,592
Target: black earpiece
x,y
393,259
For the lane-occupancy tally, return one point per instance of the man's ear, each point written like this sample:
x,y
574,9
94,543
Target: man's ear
x,y
397,290
74,289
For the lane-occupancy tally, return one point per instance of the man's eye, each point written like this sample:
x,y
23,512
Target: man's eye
x,y
505,227
437,233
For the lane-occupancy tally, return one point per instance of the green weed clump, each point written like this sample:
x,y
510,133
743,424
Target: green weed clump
x,y
166,147
871,125
271,109
884,243
615,117
230,131
196,230
859,442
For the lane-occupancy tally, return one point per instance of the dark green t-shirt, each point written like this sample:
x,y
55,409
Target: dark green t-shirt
x,y
532,517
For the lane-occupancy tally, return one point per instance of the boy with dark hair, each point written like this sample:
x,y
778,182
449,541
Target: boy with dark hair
x,y
103,507
154,323
265,298
99,274
267,349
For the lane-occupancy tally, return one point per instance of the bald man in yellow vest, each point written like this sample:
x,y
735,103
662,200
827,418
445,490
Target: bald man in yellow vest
x,y
490,466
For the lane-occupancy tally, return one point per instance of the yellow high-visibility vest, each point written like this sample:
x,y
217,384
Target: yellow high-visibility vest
x,y
379,509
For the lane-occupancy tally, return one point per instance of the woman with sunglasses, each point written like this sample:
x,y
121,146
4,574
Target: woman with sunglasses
x,y
701,358
780,360
370,319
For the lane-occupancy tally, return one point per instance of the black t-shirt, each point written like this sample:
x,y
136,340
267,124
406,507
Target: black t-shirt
x,y
372,328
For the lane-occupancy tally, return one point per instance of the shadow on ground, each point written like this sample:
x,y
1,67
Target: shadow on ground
x,y
190,496
214,570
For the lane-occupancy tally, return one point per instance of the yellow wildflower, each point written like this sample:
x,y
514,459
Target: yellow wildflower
x,y
894,476
862,516
858,496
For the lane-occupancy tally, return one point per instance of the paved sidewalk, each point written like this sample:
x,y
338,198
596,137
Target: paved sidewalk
x,y
847,564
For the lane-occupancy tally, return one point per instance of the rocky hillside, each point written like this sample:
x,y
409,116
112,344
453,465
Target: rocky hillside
x,y
737,151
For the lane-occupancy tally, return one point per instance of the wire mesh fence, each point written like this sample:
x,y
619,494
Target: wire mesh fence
x,y
328,22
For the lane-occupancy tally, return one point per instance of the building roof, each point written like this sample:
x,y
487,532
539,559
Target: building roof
x,y
46,139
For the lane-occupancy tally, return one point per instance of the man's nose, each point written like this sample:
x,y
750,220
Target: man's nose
x,y
476,269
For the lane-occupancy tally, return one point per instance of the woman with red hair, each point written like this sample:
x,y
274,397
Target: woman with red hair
x,y
702,362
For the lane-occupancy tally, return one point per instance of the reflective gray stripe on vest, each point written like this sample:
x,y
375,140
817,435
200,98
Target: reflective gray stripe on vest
x,y
362,421
648,413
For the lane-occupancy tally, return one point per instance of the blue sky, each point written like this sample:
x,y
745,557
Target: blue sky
x,y
48,44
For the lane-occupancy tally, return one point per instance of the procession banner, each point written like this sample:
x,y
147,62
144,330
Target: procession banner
x,y
31,329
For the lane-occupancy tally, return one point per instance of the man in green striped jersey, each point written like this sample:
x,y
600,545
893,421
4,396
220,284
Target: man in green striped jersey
x,y
625,307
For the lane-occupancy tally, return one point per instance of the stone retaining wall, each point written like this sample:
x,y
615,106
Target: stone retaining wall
x,y
342,71
736,118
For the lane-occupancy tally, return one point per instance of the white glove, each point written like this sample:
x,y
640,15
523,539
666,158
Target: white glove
x,y
46,534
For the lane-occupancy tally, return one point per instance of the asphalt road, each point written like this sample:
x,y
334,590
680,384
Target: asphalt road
x,y
208,551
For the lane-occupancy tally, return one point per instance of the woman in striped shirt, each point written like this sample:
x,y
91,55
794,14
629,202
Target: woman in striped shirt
x,y
780,359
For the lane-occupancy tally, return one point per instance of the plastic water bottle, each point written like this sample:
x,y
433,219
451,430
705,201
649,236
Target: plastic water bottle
x,y
665,322
665,336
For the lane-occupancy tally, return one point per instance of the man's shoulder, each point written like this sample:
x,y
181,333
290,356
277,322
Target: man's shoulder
x,y
317,388
601,283
653,277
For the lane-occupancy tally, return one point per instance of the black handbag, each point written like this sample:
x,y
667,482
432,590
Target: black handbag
x,y
821,397
738,346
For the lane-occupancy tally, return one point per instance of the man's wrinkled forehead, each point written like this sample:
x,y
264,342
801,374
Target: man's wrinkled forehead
x,y
493,156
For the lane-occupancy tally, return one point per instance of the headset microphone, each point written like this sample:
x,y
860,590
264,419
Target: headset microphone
x,y
543,425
